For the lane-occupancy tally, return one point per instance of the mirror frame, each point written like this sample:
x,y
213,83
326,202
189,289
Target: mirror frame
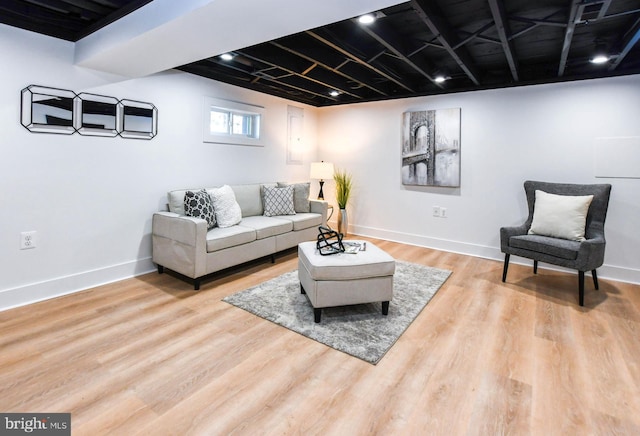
x,y
110,104
27,110
126,130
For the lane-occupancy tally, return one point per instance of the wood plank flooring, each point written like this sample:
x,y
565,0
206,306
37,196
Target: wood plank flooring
x,y
149,355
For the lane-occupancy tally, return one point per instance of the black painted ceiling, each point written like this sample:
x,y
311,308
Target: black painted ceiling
x,y
65,19
476,44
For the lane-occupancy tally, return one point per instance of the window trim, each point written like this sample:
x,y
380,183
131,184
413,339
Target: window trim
x,y
233,107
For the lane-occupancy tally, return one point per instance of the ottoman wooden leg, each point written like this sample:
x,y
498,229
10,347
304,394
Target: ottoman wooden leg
x,y
317,313
302,291
385,307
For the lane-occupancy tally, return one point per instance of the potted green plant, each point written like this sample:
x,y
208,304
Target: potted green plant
x,y
344,185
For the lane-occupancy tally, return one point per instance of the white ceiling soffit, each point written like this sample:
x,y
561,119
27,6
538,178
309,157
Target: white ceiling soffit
x,y
167,33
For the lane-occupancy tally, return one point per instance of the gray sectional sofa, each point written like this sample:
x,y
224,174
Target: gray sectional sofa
x,y
185,245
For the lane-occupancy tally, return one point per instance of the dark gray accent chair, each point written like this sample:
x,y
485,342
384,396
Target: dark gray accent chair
x,y
582,256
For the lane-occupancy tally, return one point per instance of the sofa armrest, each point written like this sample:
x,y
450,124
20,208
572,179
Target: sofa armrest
x,y
321,207
180,243
184,229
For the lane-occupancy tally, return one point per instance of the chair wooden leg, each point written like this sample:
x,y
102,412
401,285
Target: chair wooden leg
x,y
505,267
581,288
535,267
595,279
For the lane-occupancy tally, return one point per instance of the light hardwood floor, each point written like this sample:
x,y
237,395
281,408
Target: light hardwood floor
x,y
150,356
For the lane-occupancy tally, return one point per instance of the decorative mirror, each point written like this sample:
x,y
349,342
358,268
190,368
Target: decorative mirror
x,y
98,115
47,110
138,120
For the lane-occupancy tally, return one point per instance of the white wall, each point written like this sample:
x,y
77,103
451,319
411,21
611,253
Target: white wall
x,y
90,198
542,132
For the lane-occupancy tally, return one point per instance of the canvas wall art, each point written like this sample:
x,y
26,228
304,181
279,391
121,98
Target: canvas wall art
x,y
431,148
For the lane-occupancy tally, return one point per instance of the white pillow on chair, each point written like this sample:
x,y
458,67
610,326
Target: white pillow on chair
x,y
560,216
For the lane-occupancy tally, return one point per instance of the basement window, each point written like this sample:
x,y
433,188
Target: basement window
x,y
230,122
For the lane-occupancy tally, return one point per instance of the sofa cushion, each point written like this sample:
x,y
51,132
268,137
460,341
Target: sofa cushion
x,y
199,205
227,209
278,201
560,216
249,197
300,196
265,226
303,221
221,238
561,248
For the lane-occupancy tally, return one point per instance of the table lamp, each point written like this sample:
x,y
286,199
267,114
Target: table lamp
x,y
321,170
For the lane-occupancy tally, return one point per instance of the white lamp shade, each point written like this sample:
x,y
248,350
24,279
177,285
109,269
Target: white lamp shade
x,y
321,170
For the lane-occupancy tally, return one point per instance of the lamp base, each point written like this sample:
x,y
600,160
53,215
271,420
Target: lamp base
x,y
321,194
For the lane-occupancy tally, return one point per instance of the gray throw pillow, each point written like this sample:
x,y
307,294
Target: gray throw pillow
x,y
199,205
278,201
300,196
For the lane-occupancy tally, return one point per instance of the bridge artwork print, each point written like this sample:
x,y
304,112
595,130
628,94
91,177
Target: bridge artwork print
x,y
431,148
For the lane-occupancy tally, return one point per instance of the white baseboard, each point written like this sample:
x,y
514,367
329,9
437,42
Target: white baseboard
x,y
59,286
613,272
34,292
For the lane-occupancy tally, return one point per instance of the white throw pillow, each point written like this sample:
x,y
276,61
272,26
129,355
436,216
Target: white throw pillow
x,y
560,216
227,209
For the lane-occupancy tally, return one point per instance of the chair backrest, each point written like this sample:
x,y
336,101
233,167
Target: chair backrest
x,y
597,210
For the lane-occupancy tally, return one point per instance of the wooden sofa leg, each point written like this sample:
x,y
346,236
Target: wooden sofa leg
x,y
505,267
595,279
160,269
535,267
196,284
581,288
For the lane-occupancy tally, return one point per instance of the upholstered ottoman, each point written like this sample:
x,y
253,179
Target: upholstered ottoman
x,y
343,279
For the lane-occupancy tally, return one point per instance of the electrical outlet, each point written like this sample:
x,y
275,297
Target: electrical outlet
x,y
443,212
436,211
28,240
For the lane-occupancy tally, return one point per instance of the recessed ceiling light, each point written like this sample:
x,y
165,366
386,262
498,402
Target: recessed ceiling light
x,y
439,79
366,19
226,56
599,59
334,93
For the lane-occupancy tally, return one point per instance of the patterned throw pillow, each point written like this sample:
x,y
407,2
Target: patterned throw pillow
x,y
199,205
278,201
228,212
300,196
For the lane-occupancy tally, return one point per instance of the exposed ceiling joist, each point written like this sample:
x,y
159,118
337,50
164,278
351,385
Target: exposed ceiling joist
x,y
261,75
631,39
502,26
574,15
385,36
534,23
434,19
304,75
336,69
477,35
356,59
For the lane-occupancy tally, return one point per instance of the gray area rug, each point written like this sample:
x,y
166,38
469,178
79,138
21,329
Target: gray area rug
x,y
359,330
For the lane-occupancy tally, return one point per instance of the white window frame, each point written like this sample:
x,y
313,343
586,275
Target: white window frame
x,y
233,108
